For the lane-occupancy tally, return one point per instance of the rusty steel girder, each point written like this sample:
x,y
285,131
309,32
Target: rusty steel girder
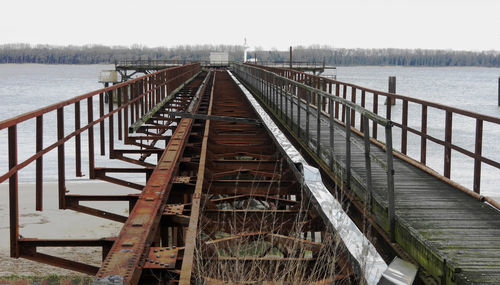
x,y
219,185
248,196
133,99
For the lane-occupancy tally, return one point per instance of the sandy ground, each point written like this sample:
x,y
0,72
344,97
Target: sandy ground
x,y
60,224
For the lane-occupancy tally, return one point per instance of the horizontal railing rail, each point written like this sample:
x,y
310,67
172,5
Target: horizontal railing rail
x,y
158,64
296,64
295,103
359,96
133,98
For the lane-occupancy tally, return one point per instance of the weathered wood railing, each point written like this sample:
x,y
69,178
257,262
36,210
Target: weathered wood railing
x,y
286,97
358,95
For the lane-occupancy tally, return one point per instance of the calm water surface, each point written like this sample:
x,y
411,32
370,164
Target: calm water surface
x,y
28,87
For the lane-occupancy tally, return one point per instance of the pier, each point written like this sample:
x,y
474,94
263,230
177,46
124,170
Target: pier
x,y
243,168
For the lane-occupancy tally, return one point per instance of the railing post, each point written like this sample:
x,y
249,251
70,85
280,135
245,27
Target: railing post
x,y
275,94
60,160
363,101
447,140
369,187
353,99
137,104
390,181
318,125
13,194
78,141
298,110
348,145
308,113
119,102
281,97
388,111
477,154
290,95
39,164
337,93
126,112
423,139
111,138
266,90
90,119
344,95
404,131
101,125
332,143
375,111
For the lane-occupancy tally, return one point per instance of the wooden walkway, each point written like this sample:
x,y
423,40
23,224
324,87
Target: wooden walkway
x,y
451,234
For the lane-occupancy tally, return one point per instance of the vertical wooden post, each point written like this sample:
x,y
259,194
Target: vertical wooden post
x,y
119,99
477,158
39,164
353,99
392,89
423,139
348,146
13,194
111,126
90,136
280,84
337,93
78,142
60,160
308,102
291,65
318,125
362,123
390,182
375,110
344,95
101,124
330,106
287,95
368,167
290,90
298,112
106,97
404,130
447,148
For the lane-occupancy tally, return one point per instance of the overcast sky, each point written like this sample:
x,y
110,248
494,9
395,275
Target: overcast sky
x,y
436,24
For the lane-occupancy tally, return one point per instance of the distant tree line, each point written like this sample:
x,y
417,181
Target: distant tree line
x,y
94,54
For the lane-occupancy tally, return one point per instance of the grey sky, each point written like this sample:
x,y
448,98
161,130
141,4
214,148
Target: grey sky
x,y
441,24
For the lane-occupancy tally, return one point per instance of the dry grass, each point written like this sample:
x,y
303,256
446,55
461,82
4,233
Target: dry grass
x,y
262,248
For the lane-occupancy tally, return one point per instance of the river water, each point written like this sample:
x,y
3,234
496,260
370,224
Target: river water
x,y
26,87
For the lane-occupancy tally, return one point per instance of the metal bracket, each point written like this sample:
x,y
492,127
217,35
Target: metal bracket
x,y
161,257
399,272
